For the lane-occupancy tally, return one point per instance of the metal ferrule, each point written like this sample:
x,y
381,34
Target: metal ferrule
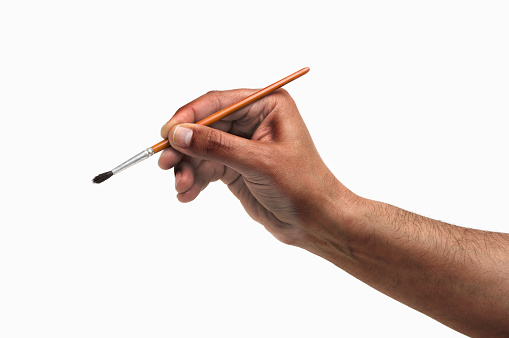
x,y
132,161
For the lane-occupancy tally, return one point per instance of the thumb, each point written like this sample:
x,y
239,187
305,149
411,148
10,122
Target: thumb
x,y
215,145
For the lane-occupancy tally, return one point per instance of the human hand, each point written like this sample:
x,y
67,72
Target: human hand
x,y
263,152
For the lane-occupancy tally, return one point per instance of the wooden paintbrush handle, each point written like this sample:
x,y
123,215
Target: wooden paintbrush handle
x,y
161,145
236,106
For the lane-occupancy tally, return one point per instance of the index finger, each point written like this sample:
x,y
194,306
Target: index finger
x,y
207,105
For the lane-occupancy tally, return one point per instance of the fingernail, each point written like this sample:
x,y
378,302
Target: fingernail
x,y
178,176
182,136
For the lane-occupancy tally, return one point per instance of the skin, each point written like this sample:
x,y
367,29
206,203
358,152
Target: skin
x,y
265,155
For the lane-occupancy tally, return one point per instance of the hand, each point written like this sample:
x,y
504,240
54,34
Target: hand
x,y
263,152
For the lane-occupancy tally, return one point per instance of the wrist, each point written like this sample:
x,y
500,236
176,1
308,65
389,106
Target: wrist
x,y
330,230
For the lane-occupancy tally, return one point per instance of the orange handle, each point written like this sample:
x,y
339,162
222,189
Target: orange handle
x,y
236,106
161,145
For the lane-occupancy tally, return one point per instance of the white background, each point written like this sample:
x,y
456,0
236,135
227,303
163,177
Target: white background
x,y
407,103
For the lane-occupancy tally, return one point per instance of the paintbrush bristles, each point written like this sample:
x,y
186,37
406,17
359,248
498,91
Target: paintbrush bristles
x,y
102,177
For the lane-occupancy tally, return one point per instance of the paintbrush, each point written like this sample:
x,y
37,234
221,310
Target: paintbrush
x,y
205,122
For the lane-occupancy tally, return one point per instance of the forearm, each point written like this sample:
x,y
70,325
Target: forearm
x,y
455,275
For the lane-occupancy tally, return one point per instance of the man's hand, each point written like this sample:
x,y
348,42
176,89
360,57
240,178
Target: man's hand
x,y
263,152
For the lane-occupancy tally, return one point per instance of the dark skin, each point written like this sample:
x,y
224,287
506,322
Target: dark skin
x,y
265,155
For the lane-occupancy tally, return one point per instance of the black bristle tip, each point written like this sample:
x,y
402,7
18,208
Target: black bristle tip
x,y
102,177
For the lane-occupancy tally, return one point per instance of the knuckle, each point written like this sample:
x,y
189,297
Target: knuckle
x,y
180,110
283,92
212,92
281,95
